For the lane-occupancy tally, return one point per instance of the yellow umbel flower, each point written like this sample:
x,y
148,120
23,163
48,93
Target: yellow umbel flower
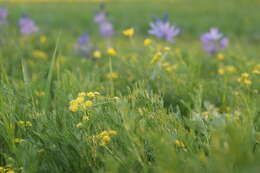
x,y
39,54
111,52
147,42
97,54
129,32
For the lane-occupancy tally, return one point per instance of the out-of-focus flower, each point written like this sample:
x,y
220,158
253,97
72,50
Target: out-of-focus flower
x,y
97,54
100,17
43,39
83,47
106,29
27,26
40,54
162,28
214,41
147,42
112,75
3,16
128,32
111,52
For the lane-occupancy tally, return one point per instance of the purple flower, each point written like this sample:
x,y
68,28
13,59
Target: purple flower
x,y
161,28
214,41
106,29
27,26
100,17
83,47
3,16
84,39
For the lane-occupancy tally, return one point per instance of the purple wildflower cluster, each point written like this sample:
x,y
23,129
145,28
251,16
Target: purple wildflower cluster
x,y
105,26
27,26
214,41
3,16
162,28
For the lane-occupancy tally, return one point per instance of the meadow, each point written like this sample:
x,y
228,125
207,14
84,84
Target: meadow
x,y
72,100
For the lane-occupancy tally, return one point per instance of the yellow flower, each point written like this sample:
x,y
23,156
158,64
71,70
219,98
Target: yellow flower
x,y
85,118
129,32
111,52
231,69
256,71
80,100
244,75
82,94
39,54
97,54
220,56
79,125
167,49
156,58
221,71
18,140
88,103
10,171
43,39
112,75
147,42
179,144
74,107
39,93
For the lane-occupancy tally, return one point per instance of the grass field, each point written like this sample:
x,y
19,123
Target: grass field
x,y
185,111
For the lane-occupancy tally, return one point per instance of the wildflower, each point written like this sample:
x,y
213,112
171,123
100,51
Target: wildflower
x,y
25,123
156,58
166,49
112,75
43,39
39,93
256,71
3,16
79,100
97,54
100,17
40,54
163,29
230,69
244,79
83,46
85,118
106,29
147,42
18,140
105,137
74,107
111,52
27,26
82,94
129,32
221,71
88,103
79,125
213,41
179,144
220,56
93,94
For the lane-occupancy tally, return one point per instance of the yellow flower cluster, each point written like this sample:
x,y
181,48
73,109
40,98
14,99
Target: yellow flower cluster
x,y
25,123
105,137
40,54
156,57
229,69
244,79
39,93
6,170
128,32
112,75
168,67
220,56
80,103
43,39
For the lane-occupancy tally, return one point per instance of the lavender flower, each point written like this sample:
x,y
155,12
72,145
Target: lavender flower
x,y
83,47
27,26
106,29
3,16
214,41
163,29
105,26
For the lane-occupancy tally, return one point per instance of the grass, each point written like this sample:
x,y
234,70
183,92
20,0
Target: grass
x,y
186,116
